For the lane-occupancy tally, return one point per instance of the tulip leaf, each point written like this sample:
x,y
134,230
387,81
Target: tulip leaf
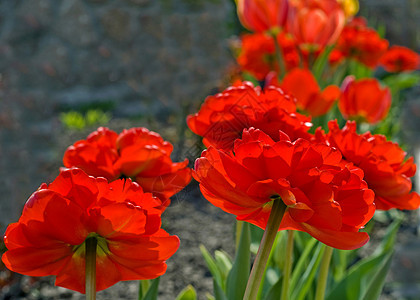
x,y
187,294
211,264
152,292
307,278
320,62
374,289
256,237
219,294
238,275
301,263
224,263
275,290
361,277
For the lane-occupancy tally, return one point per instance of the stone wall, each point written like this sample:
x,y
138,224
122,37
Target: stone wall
x,y
142,57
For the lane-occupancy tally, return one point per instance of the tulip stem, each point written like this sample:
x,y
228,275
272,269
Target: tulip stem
x,y
90,271
279,57
257,272
323,274
287,266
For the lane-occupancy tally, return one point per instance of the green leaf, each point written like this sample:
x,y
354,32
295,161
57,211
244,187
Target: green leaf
x,y
374,289
143,287
307,278
256,237
211,264
187,294
361,277
223,263
219,294
275,290
320,63
389,237
238,275
152,292
301,263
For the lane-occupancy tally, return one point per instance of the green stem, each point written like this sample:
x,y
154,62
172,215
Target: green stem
x,y
279,57
257,272
323,273
239,225
90,271
287,266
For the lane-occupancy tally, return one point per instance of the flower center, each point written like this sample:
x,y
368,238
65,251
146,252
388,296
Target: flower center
x,y
101,246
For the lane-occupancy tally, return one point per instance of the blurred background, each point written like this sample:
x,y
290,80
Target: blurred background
x,y
69,66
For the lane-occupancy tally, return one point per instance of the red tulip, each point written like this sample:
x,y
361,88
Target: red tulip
x,y
315,23
387,171
136,153
323,198
302,84
364,100
49,238
262,15
361,43
223,117
258,54
399,59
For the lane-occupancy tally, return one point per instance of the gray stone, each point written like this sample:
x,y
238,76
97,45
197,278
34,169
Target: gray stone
x,y
74,24
116,23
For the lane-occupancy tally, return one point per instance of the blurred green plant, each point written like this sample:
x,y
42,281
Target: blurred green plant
x,y
74,120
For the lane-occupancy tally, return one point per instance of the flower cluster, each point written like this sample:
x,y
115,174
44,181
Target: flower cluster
x,y
57,220
136,153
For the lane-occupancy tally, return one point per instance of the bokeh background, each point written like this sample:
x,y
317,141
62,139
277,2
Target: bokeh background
x,y
69,66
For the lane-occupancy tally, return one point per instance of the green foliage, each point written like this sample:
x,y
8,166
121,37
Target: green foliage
x,y
149,292
188,293
77,121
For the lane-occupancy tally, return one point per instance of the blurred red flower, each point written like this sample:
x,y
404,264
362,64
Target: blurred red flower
x,y
359,42
315,23
136,153
302,84
399,59
329,202
49,238
364,100
262,15
258,54
223,117
387,171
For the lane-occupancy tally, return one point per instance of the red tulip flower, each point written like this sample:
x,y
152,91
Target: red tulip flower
x,y
262,15
327,200
315,23
399,59
136,153
50,236
223,117
258,54
302,84
364,100
361,43
387,171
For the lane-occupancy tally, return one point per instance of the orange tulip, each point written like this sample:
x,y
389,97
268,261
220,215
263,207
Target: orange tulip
x,y
302,84
323,198
387,171
364,100
224,116
261,15
399,59
315,23
50,236
136,153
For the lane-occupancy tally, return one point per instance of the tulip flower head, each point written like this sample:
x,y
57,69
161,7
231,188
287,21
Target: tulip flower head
x,y
400,59
223,117
262,15
387,171
324,198
315,23
302,84
136,153
364,100
58,219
